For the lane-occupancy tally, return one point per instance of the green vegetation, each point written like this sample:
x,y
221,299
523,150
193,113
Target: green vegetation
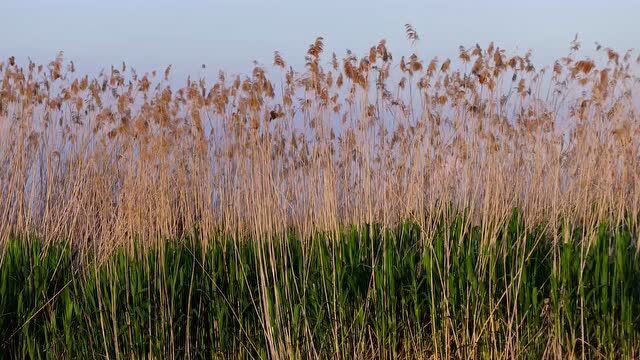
x,y
365,292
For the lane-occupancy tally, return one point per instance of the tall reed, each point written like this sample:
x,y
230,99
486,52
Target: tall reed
x,y
358,207
368,293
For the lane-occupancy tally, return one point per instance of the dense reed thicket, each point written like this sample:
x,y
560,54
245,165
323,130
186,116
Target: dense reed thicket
x,y
370,292
360,207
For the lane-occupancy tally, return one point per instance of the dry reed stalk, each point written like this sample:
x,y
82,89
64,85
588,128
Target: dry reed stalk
x,y
103,160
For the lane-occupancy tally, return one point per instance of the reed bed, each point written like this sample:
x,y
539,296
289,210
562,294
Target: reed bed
x,y
379,206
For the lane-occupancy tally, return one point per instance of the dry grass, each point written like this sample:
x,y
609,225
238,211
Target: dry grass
x,y
102,160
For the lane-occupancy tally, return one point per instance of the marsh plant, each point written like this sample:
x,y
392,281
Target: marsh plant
x,y
375,206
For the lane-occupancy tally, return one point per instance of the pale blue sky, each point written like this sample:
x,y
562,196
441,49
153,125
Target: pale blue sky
x,y
229,34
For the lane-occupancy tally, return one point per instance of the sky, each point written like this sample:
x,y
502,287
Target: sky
x,y
231,34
